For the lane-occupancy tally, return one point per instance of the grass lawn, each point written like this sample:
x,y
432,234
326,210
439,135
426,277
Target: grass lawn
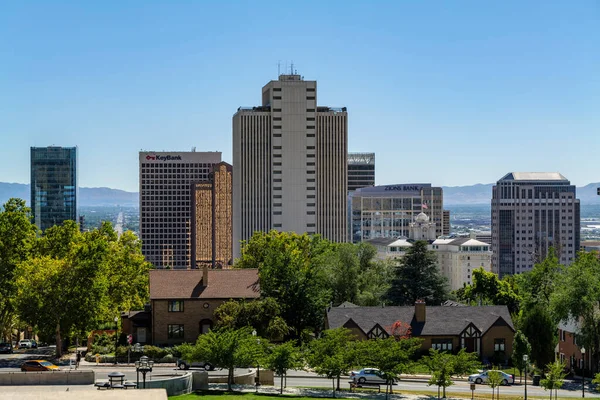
x,y
214,395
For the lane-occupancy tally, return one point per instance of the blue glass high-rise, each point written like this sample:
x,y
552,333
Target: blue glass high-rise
x,y
53,185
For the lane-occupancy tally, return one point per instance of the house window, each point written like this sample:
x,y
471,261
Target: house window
x,y
176,306
441,344
205,326
175,331
562,335
499,344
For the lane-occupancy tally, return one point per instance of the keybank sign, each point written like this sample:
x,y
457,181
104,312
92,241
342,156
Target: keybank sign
x,y
153,157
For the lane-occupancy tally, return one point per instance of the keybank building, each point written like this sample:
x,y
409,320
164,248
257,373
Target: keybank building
x,y
53,185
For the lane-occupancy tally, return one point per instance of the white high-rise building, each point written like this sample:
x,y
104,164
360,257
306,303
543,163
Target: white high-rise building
x,y
290,163
531,212
166,187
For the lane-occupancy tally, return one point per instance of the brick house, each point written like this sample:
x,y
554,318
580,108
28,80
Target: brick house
x,y
485,330
567,349
183,302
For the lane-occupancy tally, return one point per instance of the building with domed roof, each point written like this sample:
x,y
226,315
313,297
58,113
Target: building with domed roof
x,y
422,228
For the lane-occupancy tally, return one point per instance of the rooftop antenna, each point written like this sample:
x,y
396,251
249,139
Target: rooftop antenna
x,y
292,68
278,68
194,149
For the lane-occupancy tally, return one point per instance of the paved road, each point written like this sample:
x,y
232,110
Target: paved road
x,y
12,362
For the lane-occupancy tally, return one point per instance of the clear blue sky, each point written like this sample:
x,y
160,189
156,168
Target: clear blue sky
x,y
447,92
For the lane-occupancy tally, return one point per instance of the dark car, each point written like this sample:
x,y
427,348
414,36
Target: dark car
x,y
6,348
182,364
34,344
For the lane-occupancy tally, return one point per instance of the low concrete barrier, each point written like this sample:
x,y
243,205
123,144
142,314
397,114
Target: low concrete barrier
x,y
267,377
47,378
173,384
199,380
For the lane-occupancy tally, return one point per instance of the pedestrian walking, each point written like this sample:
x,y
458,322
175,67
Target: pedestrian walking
x,y
78,359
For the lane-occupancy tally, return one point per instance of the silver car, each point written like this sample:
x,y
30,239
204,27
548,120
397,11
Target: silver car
x,y
367,375
183,364
483,378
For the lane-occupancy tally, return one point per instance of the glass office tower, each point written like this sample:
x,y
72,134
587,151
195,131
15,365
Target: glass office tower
x,y
53,185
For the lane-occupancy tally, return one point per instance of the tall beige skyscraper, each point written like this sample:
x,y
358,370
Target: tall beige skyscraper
x,y
290,163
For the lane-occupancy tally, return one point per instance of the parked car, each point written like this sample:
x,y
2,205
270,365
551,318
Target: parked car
x,y
38,365
34,344
6,348
483,378
367,375
25,344
183,364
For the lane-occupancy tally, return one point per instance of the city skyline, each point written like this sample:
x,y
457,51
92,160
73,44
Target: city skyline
x,y
479,88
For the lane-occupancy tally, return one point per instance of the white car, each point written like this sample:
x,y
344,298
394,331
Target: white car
x,y
483,378
367,375
25,344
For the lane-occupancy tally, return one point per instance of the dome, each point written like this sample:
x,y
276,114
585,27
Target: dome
x,y
422,217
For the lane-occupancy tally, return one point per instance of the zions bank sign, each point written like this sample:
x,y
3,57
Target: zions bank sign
x,y
154,157
408,189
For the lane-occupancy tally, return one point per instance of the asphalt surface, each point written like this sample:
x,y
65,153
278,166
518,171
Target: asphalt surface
x,y
12,363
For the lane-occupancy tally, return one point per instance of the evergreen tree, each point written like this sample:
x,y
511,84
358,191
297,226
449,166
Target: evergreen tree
x,y
418,277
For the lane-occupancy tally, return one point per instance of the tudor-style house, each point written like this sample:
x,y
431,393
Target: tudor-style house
x,y
183,302
485,330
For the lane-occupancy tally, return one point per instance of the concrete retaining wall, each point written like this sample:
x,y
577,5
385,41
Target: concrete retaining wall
x,y
47,378
174,385
200,380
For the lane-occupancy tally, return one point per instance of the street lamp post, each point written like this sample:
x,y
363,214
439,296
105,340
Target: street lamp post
x,y
144,366
525,359
583,372
116,337
257,382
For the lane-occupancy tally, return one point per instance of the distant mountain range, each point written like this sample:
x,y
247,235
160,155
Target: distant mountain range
x,y
88,197
453,195
482,194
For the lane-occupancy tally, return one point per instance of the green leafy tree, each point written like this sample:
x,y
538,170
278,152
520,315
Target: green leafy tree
x,y
465,363
374,281
292,270
342,272
392,357
441,366
17,242
78,280
488,289
283,357
264,315
495,380
536,286
126,270
554,377
596,379
521,347
577,295
444,365
418,277
538,326
331,354
225,348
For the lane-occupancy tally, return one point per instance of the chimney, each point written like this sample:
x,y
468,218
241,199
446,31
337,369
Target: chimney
x,y
420,311
205,275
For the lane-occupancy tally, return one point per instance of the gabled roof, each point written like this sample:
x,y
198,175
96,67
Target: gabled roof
x,y
187,284
439,320
534,176
390,242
